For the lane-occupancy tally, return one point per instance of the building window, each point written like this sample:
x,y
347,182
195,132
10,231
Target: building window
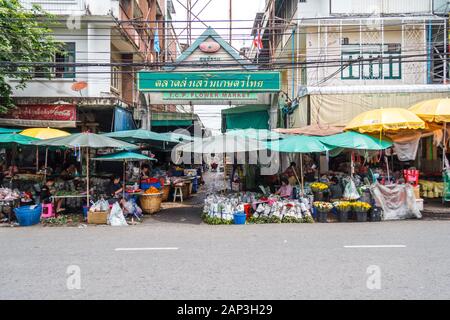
x,y
350,66
67,55
372,64
115,79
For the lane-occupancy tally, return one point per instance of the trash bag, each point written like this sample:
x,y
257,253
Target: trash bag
x,y
116,217
350,192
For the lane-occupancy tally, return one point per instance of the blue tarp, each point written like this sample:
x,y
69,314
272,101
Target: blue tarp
x,y
123,120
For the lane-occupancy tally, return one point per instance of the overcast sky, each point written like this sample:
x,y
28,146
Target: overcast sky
x,y
219,10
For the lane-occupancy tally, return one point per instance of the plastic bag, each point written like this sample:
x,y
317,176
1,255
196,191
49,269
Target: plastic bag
x,y
116,217
350,192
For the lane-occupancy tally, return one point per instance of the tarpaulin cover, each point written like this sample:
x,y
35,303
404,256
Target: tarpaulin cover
x,y
123,120
397,201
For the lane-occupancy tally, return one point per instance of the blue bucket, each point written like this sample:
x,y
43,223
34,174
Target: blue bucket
x,y
239,218
28,215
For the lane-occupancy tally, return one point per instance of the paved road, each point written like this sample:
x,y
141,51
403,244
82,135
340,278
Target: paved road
x,y
227,262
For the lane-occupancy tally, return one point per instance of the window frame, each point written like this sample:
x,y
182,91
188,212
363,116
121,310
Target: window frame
x,y
350,66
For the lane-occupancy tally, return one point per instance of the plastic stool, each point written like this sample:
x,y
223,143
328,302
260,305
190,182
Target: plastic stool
x,y
178,193
47,210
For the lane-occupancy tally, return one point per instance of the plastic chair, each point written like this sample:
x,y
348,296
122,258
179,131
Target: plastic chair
x,y
178,192
47,210
411,176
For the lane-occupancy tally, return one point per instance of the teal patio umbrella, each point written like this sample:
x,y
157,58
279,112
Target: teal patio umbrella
x,y
141,136
7,130
86,140
299,144
357,141
14,138
124,156
258,134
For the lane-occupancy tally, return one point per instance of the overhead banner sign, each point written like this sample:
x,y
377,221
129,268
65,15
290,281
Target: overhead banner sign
x,y
213,96
209,81
41,115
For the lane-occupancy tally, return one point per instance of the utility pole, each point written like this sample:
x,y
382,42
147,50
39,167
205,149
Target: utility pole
x,y
231,21
189,22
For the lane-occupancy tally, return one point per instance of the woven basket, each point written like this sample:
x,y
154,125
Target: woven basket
x,y
166,192
151,203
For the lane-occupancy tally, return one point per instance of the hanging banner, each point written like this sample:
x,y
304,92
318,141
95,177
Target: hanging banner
x,y
41,115
212,81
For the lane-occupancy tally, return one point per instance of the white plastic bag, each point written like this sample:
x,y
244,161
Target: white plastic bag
x,y
350,192
116,217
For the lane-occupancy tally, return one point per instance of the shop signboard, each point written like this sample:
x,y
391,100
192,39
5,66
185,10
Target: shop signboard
x,y
40,115
209,81
210,96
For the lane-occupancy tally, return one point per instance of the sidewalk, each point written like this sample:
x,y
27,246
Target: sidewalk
x,y
186,212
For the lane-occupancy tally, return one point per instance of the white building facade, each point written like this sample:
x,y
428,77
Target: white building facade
x,y
349,56
105,42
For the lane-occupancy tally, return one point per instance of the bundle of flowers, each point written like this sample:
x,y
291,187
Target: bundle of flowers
x,y
319,187
322,206
361,206
343,206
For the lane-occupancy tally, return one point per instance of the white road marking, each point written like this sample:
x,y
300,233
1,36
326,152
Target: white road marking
x,y
377,246
144,249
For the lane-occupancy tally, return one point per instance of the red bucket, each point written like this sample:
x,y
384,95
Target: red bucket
x,y
248,210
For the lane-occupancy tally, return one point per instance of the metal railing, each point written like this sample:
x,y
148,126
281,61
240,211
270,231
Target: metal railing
x,y
57,6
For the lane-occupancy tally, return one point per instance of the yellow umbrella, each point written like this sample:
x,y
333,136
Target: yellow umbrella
x,y
43,134
381,120
436,110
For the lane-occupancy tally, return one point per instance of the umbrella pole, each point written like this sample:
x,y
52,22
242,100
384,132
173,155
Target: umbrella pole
x,y
124,177
37,159
87,176
444,146
302,176
45,166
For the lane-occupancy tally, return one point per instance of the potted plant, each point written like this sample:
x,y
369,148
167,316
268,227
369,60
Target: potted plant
x,y
322,209
318,189
361,209
343,208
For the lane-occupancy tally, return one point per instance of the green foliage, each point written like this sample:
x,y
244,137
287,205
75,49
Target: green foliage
x,y
215,220
25,38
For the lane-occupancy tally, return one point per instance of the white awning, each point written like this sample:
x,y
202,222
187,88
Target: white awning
x,y
367,89
37,123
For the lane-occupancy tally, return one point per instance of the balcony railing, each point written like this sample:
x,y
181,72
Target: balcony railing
x,y
369,7
57,6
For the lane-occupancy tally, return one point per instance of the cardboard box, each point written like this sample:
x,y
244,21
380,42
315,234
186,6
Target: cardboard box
x,y
99,217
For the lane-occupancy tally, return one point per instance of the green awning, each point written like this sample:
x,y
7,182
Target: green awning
x,y
246,117
355,140
171,123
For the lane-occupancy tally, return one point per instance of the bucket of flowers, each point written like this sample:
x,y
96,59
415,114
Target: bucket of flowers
x,y
361,209
343,208
318,189
323,209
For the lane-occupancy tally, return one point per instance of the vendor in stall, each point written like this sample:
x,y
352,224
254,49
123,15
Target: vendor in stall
x,y
115,189
70,172
336,188
11,171
290,173
47,191
286,189
145,172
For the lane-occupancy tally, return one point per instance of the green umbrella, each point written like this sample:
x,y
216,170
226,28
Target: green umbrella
x,y
355,140
258,134
177,136
7,130
9,138
124,156
298,144
86,140
140,135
